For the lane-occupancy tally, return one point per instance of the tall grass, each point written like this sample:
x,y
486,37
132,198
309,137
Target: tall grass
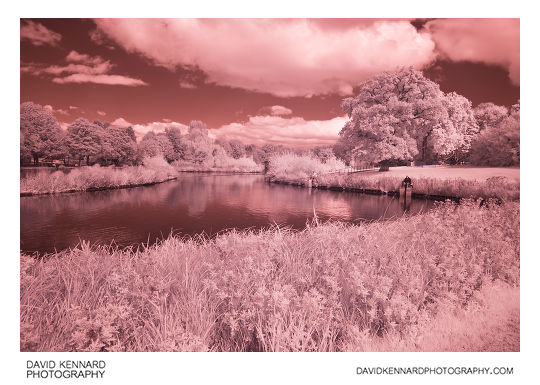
x,y
332,287
153,170
495,187
299,169
225,164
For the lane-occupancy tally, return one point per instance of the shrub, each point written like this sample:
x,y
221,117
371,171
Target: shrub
x,y
292,167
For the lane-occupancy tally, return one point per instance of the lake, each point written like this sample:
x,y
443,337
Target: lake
x,y
193,204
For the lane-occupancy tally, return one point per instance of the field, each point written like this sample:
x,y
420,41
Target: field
x,y
436,281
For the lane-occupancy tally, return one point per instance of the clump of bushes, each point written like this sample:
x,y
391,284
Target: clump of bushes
x,y
298,168
332,287
222,163
153,170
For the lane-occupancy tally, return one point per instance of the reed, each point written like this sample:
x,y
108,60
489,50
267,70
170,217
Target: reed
x,y
330,287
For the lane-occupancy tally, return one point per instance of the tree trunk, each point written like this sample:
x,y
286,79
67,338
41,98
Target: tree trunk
x,y
36,159
424,145
88,160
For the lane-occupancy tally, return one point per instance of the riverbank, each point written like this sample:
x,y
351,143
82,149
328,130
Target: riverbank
x,y
332,287
433,183
96,178
226,165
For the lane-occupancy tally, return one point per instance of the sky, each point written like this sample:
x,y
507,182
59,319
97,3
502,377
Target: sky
x,y
277,81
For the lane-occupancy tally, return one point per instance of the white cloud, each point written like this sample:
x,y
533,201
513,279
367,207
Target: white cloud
x,y
101,113
292,57
83,68
280,110
491,41
38,34
57,111
142,129
289,131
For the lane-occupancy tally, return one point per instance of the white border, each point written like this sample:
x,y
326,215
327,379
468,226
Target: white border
x,y
251,368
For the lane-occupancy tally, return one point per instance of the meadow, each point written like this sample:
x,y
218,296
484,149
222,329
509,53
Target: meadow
x,y
410,284
446,181
153,170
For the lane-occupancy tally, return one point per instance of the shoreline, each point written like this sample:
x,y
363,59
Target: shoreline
x,y
366,191
349,185
221,172
92,189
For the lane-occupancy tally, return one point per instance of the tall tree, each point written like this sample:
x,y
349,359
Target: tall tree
x,y
237,149
84,139
403,116
41,134
498,145
118,145
153,144
175,137
489,115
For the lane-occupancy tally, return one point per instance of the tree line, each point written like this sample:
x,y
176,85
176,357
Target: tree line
x,y
395,118
85,142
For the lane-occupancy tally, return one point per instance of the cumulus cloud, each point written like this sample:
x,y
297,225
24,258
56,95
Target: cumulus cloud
x,y
280,110
157,127
58,111
490,41
292,57
101,113
113,80
278,130
82,68
38,34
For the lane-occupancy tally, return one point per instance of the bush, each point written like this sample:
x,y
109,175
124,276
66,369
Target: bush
x,y
299,168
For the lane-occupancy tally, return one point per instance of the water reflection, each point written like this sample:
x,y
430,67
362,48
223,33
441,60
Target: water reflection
x,y
194,204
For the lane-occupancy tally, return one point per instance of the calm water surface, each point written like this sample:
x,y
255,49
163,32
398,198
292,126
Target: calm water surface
x,y
196,203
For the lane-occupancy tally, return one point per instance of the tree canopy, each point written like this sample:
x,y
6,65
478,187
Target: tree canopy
x,y
40,132
404,116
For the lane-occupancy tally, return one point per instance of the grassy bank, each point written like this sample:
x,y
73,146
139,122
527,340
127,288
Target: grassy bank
x,y
229,165
153,170
333,287
430,182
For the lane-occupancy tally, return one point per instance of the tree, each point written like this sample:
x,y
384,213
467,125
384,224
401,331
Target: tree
x,y
323,153
175,137
84,139
489,115
118,145
237,149
41,134
456,140
404,116
498,146
153,144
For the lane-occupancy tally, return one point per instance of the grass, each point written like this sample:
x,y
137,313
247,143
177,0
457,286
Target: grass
x,y
333,287
429,181
226,164
154,170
